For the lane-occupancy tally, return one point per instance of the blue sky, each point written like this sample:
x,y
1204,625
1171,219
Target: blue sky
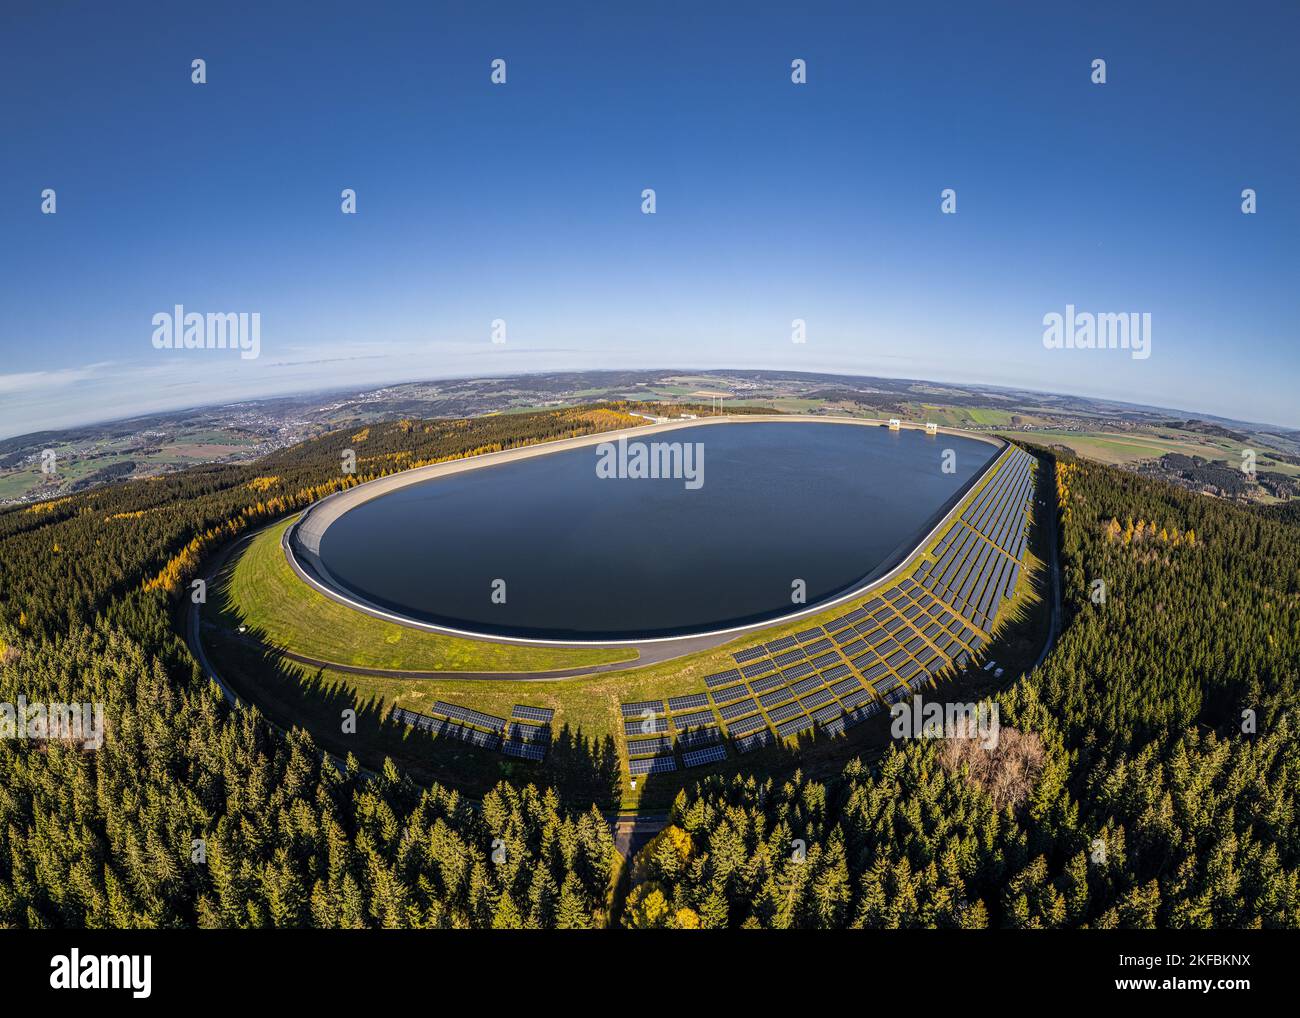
x,y
522,201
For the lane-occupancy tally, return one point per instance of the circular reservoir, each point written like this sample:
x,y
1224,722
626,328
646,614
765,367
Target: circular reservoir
x,y
574,545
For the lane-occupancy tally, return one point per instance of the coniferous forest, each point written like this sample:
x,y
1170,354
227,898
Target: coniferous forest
x,y
1147,774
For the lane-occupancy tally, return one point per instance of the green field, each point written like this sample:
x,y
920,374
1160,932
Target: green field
x,y
257,589
1120,448
588,757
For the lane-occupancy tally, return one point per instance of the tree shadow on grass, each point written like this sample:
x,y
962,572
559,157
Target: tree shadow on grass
x,y
582,769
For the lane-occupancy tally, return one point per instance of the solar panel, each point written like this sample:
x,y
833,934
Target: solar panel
x,y
748,654
636,710
699,757
746,725
524,750
812,682
721,678
542,714
776,697
529,733
824,714
789,657
867,710
814,700
689,702
834,727
767,682
794,726
797,671
650,747
865,660
808,634
469,716
758,668
755,741
652,765
776,646
785,712
698,737
684,721
720,696
845,685
818,646
646,726
736,710
836,673
885,683
408,717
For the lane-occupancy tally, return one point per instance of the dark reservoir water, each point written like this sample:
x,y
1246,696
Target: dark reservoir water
x,y
585,556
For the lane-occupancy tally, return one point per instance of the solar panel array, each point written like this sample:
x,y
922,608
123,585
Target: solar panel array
x,y
486,731
689,726
543,715
979,558
470,717
837,675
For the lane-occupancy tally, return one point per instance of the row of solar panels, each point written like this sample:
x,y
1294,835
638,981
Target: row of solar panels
x,y
515,738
